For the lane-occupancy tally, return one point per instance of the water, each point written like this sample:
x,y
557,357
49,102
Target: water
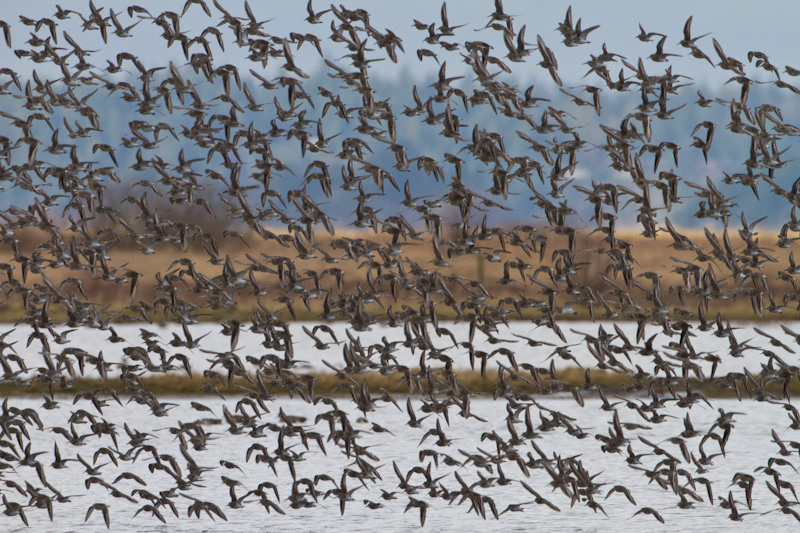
x,y
311,359
749,447
749,450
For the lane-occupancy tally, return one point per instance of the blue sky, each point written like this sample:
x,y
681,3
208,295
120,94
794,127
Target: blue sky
x,y
739,26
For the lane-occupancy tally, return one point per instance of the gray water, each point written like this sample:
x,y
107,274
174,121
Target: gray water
x,y
311,359
749,448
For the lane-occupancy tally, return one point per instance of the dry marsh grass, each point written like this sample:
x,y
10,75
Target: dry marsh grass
x,y
166,273
569,382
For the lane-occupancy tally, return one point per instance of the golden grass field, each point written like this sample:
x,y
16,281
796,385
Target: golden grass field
x,y
169,262
569,382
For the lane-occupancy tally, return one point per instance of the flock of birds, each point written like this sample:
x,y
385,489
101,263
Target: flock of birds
x,y
165,102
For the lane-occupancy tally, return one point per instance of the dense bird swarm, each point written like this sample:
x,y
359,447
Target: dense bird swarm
x,y
54,147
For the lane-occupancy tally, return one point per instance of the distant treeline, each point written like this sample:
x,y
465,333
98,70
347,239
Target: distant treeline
x,y
420,140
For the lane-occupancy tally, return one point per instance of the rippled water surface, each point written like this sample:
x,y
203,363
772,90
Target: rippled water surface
x,y
749,447
749,450
308,357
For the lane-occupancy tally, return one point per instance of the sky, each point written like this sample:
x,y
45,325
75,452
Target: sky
x,y
738,25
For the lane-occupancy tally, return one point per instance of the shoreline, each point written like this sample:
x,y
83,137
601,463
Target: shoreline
x,y
570,382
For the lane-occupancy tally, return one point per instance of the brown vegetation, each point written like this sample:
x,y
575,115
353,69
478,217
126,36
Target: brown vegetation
x,y
505,264
569,382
